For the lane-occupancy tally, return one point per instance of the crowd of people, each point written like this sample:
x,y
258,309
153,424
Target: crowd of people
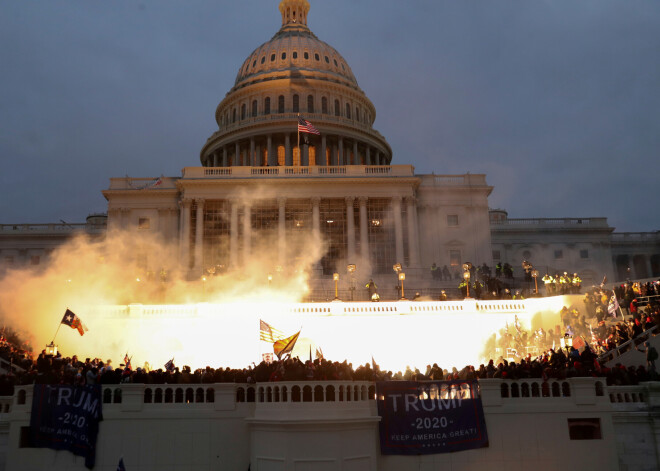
x,y
517,353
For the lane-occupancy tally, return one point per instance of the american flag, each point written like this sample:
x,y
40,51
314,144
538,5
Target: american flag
x,y
267,333
169,366
306,126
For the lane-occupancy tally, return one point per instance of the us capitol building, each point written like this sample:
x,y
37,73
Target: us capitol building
x,y
260,182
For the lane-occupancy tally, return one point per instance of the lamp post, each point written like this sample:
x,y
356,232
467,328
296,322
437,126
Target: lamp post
x,y
335,276
467,266
350,268
402,277
51,349
535,275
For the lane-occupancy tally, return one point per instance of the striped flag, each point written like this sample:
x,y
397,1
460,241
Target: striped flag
x,y
285,345
74,322
613,305
267,333
306,126
169,366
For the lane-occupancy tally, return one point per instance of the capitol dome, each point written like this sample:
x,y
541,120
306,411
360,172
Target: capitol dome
x,y
295,74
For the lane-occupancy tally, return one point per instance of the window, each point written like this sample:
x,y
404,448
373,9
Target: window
x,y
310,103
584,253
584,429
306,55
452,220
283,55
263,59
337,113
559,254
144,223
233,115
316,56
327,60
267,105
254,64
35,260
272,57
296,103
254,108
280,104
496,255
324,105
335,61
454,258
357,113
295,54
243,111
348,111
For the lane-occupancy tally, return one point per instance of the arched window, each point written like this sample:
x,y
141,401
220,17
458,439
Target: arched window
x,y
233,115
280,156
310,103
267,105
295,54
283,55
296,103
348,111
254,108
263,59
316,56
306,55
324,105
280,104
337,112
272,57
243,111
357,113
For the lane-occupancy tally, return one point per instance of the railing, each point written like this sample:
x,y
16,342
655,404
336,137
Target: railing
x,y
9,366
454,180
297,171
629,345
593,222
41,228
534,388
635,236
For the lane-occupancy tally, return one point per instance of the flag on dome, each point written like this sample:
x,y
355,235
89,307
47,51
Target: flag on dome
x,y
306,126
267,333
74,322
285,345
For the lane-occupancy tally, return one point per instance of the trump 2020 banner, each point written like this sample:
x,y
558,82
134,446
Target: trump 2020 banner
x,y
430,417
66,418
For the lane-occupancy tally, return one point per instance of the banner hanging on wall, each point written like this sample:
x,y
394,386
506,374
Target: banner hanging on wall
x,y
66,418
430,417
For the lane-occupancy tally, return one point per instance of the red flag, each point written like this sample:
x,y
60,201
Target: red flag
x,y
74,322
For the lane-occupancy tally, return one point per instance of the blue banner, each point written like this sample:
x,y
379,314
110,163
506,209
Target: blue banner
x,y
427,417
67,418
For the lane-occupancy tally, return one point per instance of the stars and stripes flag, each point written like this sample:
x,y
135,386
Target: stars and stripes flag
x,y
169,366
319,353
267,333
306,126
285,345
74,322
127,361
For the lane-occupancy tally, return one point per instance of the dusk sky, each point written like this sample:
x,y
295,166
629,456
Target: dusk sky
x,y
557,102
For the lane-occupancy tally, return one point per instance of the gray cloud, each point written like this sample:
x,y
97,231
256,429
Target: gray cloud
x,y
558,102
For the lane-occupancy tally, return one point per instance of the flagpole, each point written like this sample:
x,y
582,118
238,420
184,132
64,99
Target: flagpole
x,y
58,329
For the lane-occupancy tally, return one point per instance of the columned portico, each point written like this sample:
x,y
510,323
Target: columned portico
x,y
185,234
364,228
398,228
350,228
413,241
199,235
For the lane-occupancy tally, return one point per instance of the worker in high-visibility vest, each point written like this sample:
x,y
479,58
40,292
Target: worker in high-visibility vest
x,y
577,283
549,284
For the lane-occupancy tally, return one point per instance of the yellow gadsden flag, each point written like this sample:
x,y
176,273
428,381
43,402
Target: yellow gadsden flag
x,y
285,345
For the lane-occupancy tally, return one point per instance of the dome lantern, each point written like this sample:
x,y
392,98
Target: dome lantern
x,y
294,12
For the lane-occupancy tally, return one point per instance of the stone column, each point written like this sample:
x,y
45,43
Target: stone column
x,y
247,232
237,159
316,218
364,230
272,159
252,158
185,234
225,160
281,231
350,228
199,235
340,151
233,234
367,156
320,160
398,228
356,158
288,152
413,243
333,154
